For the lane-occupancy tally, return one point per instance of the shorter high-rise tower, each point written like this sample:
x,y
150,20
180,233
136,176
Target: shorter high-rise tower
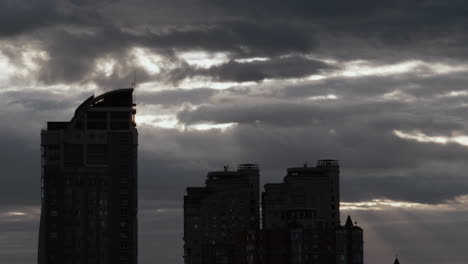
x,y
301,214
349,244
221,220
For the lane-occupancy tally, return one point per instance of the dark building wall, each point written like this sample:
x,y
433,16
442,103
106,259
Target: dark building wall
x,y
301,215
89,184
300,219
349,244
221,220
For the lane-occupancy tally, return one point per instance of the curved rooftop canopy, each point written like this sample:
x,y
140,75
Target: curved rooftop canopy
x,y
116,98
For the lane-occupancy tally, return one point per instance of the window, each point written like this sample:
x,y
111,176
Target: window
x,y
79,125
120,120
73,155
96,154
124,245
97,120
123,180
52,152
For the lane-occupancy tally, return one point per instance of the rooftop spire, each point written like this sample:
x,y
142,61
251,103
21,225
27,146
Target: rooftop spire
x,y
396,260
349,222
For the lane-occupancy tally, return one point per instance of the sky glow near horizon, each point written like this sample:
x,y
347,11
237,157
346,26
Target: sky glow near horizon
x,y
381,88
459,204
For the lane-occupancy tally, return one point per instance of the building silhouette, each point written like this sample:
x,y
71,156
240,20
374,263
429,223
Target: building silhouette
x,y
349,244
300,219
396,261
89,184
221,220
301,215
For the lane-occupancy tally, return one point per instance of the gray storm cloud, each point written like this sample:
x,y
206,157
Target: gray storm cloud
x,y
297,81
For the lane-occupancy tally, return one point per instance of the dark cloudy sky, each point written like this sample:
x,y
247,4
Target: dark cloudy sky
x,y
379,85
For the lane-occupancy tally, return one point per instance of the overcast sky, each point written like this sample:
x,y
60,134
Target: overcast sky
x,y
379,85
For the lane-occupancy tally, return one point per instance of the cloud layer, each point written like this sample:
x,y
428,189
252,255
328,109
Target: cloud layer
x,y
379,86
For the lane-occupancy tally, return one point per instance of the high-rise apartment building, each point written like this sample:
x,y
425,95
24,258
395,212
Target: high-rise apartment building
x,y
89,184
221,220
349,244
301,214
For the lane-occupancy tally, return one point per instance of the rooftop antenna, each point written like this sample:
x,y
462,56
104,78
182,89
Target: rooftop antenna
x,y
133,86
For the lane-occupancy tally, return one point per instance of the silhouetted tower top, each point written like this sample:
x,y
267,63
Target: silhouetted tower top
x,y
328,163
248,166
113,99
396,261
350,225
349,222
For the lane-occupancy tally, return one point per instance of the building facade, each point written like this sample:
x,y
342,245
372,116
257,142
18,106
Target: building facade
x,y
300,216
349,244
221,220
89,184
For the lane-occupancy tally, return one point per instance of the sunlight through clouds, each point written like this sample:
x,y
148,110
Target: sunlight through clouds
x,y
20,214
171,122
458,204
247,60
162,121
202,82
379,204
362,68
149,61
208,126
398,95
28,61
7,71
204,59
323,97
423,138
454,94
105,66
16,213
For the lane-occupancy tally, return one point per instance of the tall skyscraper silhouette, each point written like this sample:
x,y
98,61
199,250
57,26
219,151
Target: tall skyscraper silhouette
x,y
221,220
301,215
89,184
